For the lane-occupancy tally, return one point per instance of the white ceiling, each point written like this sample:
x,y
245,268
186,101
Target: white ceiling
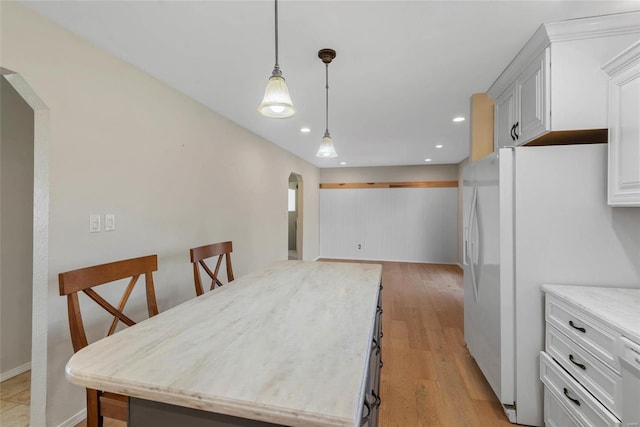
x,y
403,69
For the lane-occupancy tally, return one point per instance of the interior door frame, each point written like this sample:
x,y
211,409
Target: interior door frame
x,y
299,212
39,325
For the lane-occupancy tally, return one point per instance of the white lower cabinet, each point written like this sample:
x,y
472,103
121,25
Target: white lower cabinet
x,y
576,401
556,414
600,380
579,368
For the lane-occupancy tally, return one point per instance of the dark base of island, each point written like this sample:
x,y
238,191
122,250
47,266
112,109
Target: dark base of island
x,y
146,413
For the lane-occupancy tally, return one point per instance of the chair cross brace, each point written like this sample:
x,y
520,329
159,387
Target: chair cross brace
x,y
214,275
117,313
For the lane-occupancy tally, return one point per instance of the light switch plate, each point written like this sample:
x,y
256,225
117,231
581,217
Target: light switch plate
x,y
94,223
109,222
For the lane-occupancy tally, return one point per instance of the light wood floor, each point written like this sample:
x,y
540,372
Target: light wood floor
x,y
428,378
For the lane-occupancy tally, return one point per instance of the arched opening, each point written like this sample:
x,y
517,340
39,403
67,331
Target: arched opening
x,y
294,208
24,229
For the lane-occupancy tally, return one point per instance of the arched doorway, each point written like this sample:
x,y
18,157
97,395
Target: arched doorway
x,y
294,208
30,133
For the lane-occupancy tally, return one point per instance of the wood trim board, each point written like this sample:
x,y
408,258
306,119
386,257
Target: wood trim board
x,y
415,184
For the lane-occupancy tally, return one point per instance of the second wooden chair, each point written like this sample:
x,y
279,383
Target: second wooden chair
x,y
199,254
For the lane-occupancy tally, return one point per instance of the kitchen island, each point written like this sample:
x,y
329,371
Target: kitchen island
x,y
295,344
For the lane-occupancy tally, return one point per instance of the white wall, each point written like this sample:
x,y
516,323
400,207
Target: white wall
x,y
392,224
16,230
175,174
397,224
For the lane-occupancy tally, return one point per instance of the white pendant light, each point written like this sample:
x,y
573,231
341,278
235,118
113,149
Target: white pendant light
x,y
326,149
276,103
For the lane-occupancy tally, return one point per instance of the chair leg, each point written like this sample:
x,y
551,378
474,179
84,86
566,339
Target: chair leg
x,y
93,409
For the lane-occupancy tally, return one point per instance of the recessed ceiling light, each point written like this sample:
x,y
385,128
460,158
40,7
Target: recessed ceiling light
x,y
427,160
458,119
305,130
343,163
439,146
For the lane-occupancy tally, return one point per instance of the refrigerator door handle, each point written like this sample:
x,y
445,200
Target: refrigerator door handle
x,y
472,250
465,248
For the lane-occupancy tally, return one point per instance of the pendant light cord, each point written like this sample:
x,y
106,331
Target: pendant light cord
x,y
326,132
277,66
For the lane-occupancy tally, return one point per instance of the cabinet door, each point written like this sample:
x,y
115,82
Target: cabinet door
x,y
624,137
505,119
532,112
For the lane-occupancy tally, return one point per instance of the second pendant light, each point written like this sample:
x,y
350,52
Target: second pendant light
x,y
326,149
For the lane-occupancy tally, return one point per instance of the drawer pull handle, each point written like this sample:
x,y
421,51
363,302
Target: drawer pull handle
x,y
583,330
375,346
566,393
377,401
579,365
365,418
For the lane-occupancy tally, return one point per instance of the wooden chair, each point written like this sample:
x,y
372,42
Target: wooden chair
x,y
198,255
104,404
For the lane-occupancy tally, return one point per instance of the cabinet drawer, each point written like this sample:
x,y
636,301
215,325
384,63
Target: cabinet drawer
x,y
596,338
555,413
576,400
604,384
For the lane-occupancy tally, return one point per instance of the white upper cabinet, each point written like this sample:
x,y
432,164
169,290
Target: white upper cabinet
x,y
505,118
521,112
533,97
554,91
624,127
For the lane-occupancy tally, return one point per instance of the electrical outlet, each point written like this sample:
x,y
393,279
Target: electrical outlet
x,y
109,222
359,246
94,223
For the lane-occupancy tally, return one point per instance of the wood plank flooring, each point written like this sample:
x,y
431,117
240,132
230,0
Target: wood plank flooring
x,y
428,378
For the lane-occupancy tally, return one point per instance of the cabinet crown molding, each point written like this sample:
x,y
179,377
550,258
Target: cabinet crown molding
x,y
595,26
624,60
562,31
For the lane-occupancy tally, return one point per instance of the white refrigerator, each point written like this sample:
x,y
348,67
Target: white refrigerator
x,y
535,215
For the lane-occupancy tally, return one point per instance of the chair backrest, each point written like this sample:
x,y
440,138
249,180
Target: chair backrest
x,y
84,279
198,255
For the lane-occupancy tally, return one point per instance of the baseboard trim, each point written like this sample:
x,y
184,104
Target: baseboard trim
x,y
71,422
405,261
15,372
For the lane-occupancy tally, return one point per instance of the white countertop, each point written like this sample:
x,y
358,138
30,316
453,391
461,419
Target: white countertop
x,y
289,345
619,308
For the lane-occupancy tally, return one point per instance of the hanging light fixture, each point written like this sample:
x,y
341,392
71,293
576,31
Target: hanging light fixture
x,y
276,103
326,149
